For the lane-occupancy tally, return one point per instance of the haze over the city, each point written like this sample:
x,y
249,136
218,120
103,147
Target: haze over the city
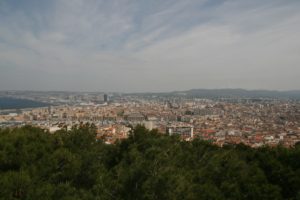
x,y
159,45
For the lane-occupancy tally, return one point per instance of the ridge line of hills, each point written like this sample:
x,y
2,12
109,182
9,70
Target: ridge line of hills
x,y
228,93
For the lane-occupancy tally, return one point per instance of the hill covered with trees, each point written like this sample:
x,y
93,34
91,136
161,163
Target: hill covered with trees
x,y
72,165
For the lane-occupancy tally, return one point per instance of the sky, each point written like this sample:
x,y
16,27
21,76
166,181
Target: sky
x,y
149,45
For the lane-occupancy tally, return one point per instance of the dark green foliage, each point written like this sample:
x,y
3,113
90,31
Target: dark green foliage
x,y
35,164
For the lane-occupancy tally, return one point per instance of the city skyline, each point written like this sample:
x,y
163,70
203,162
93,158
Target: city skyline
x,y
143,46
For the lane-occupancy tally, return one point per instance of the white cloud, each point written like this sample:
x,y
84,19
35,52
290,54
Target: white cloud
x,y
101,45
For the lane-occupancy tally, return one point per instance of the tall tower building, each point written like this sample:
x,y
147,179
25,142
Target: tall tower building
x,y
50,110
105,98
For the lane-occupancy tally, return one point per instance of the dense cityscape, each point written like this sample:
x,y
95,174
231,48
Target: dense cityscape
x,y
255,122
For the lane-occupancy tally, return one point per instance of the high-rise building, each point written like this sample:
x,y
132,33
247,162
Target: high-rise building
x,y
105,98
50,110
184,131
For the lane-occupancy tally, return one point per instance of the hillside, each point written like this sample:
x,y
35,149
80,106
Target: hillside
x,y
227,93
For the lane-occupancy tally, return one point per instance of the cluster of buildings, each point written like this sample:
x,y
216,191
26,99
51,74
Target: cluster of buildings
x,y
254,122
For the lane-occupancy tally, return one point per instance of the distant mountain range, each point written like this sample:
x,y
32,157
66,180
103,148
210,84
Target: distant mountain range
x,y
230,93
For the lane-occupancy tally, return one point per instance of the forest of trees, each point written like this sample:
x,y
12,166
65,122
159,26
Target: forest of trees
x,y
72,165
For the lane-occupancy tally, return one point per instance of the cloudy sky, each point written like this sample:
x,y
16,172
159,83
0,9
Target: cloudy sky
x,y
149,45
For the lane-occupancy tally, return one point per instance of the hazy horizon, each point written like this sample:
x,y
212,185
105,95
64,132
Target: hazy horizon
x,y
170,91
149,46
